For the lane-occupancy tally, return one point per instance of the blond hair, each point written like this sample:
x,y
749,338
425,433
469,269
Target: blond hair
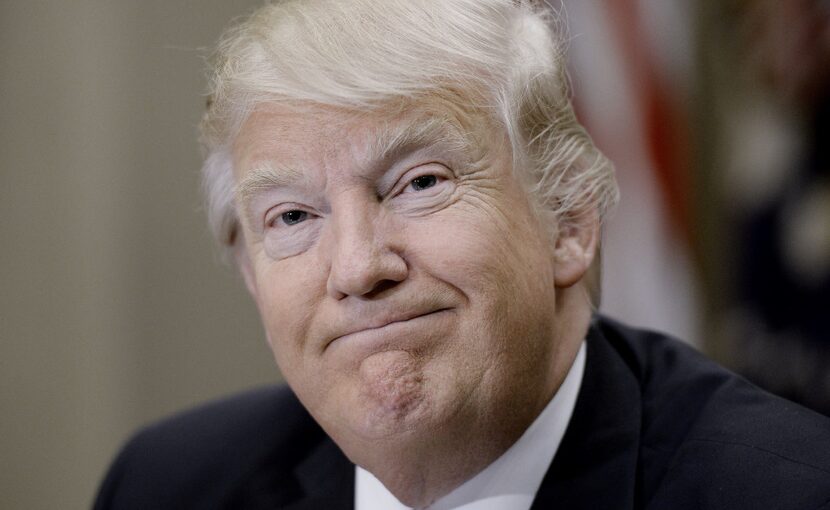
x,y
504,56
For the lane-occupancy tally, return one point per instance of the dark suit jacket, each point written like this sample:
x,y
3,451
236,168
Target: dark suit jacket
x,y
656,425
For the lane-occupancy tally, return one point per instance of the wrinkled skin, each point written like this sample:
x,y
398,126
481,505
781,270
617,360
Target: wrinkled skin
x,y
414,302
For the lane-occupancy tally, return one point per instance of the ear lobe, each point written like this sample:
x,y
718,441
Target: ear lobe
x,y
574,250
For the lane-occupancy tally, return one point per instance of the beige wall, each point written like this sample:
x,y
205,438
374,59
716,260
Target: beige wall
x,y
113,308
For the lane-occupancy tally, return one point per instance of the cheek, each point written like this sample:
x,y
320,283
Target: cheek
x,y
502,266
287,296
484,255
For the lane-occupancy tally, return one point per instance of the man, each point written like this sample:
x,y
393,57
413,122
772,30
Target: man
x,y
414,209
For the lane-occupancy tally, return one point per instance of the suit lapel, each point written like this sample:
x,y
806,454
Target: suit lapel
x,y
596,464
327,480
594,468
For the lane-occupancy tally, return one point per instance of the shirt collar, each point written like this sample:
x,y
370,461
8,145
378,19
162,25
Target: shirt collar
x,y
512,480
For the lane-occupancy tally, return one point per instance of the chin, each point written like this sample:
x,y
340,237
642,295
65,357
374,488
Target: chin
x,y
393,395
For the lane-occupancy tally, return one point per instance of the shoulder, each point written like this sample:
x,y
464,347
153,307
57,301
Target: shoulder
x,y
713,436
206,453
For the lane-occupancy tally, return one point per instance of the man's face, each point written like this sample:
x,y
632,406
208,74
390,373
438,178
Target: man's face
x,y
406,287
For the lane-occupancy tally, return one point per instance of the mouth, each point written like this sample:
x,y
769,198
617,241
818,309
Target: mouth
x,y
376,331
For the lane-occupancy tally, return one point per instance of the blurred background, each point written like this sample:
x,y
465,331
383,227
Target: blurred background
x,y
115,309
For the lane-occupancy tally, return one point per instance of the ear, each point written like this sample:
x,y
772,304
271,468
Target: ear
x,y
243,262
574,250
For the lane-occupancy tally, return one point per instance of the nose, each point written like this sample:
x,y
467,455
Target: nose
x,y
364,260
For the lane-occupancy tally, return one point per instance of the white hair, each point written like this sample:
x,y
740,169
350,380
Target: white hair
x,y
502,58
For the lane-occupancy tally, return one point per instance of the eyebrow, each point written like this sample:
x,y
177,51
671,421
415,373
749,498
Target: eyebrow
x,y
391,144
384,147
265,176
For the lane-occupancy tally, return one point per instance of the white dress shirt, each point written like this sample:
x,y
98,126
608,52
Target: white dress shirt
x,y
512,480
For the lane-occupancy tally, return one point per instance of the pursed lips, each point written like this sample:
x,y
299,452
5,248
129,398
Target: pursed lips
x,y
381,323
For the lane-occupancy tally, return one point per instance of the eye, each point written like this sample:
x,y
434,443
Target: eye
x,y
293,217
423,182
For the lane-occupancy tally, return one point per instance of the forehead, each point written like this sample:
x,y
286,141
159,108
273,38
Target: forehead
x,y
283,132
290,132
